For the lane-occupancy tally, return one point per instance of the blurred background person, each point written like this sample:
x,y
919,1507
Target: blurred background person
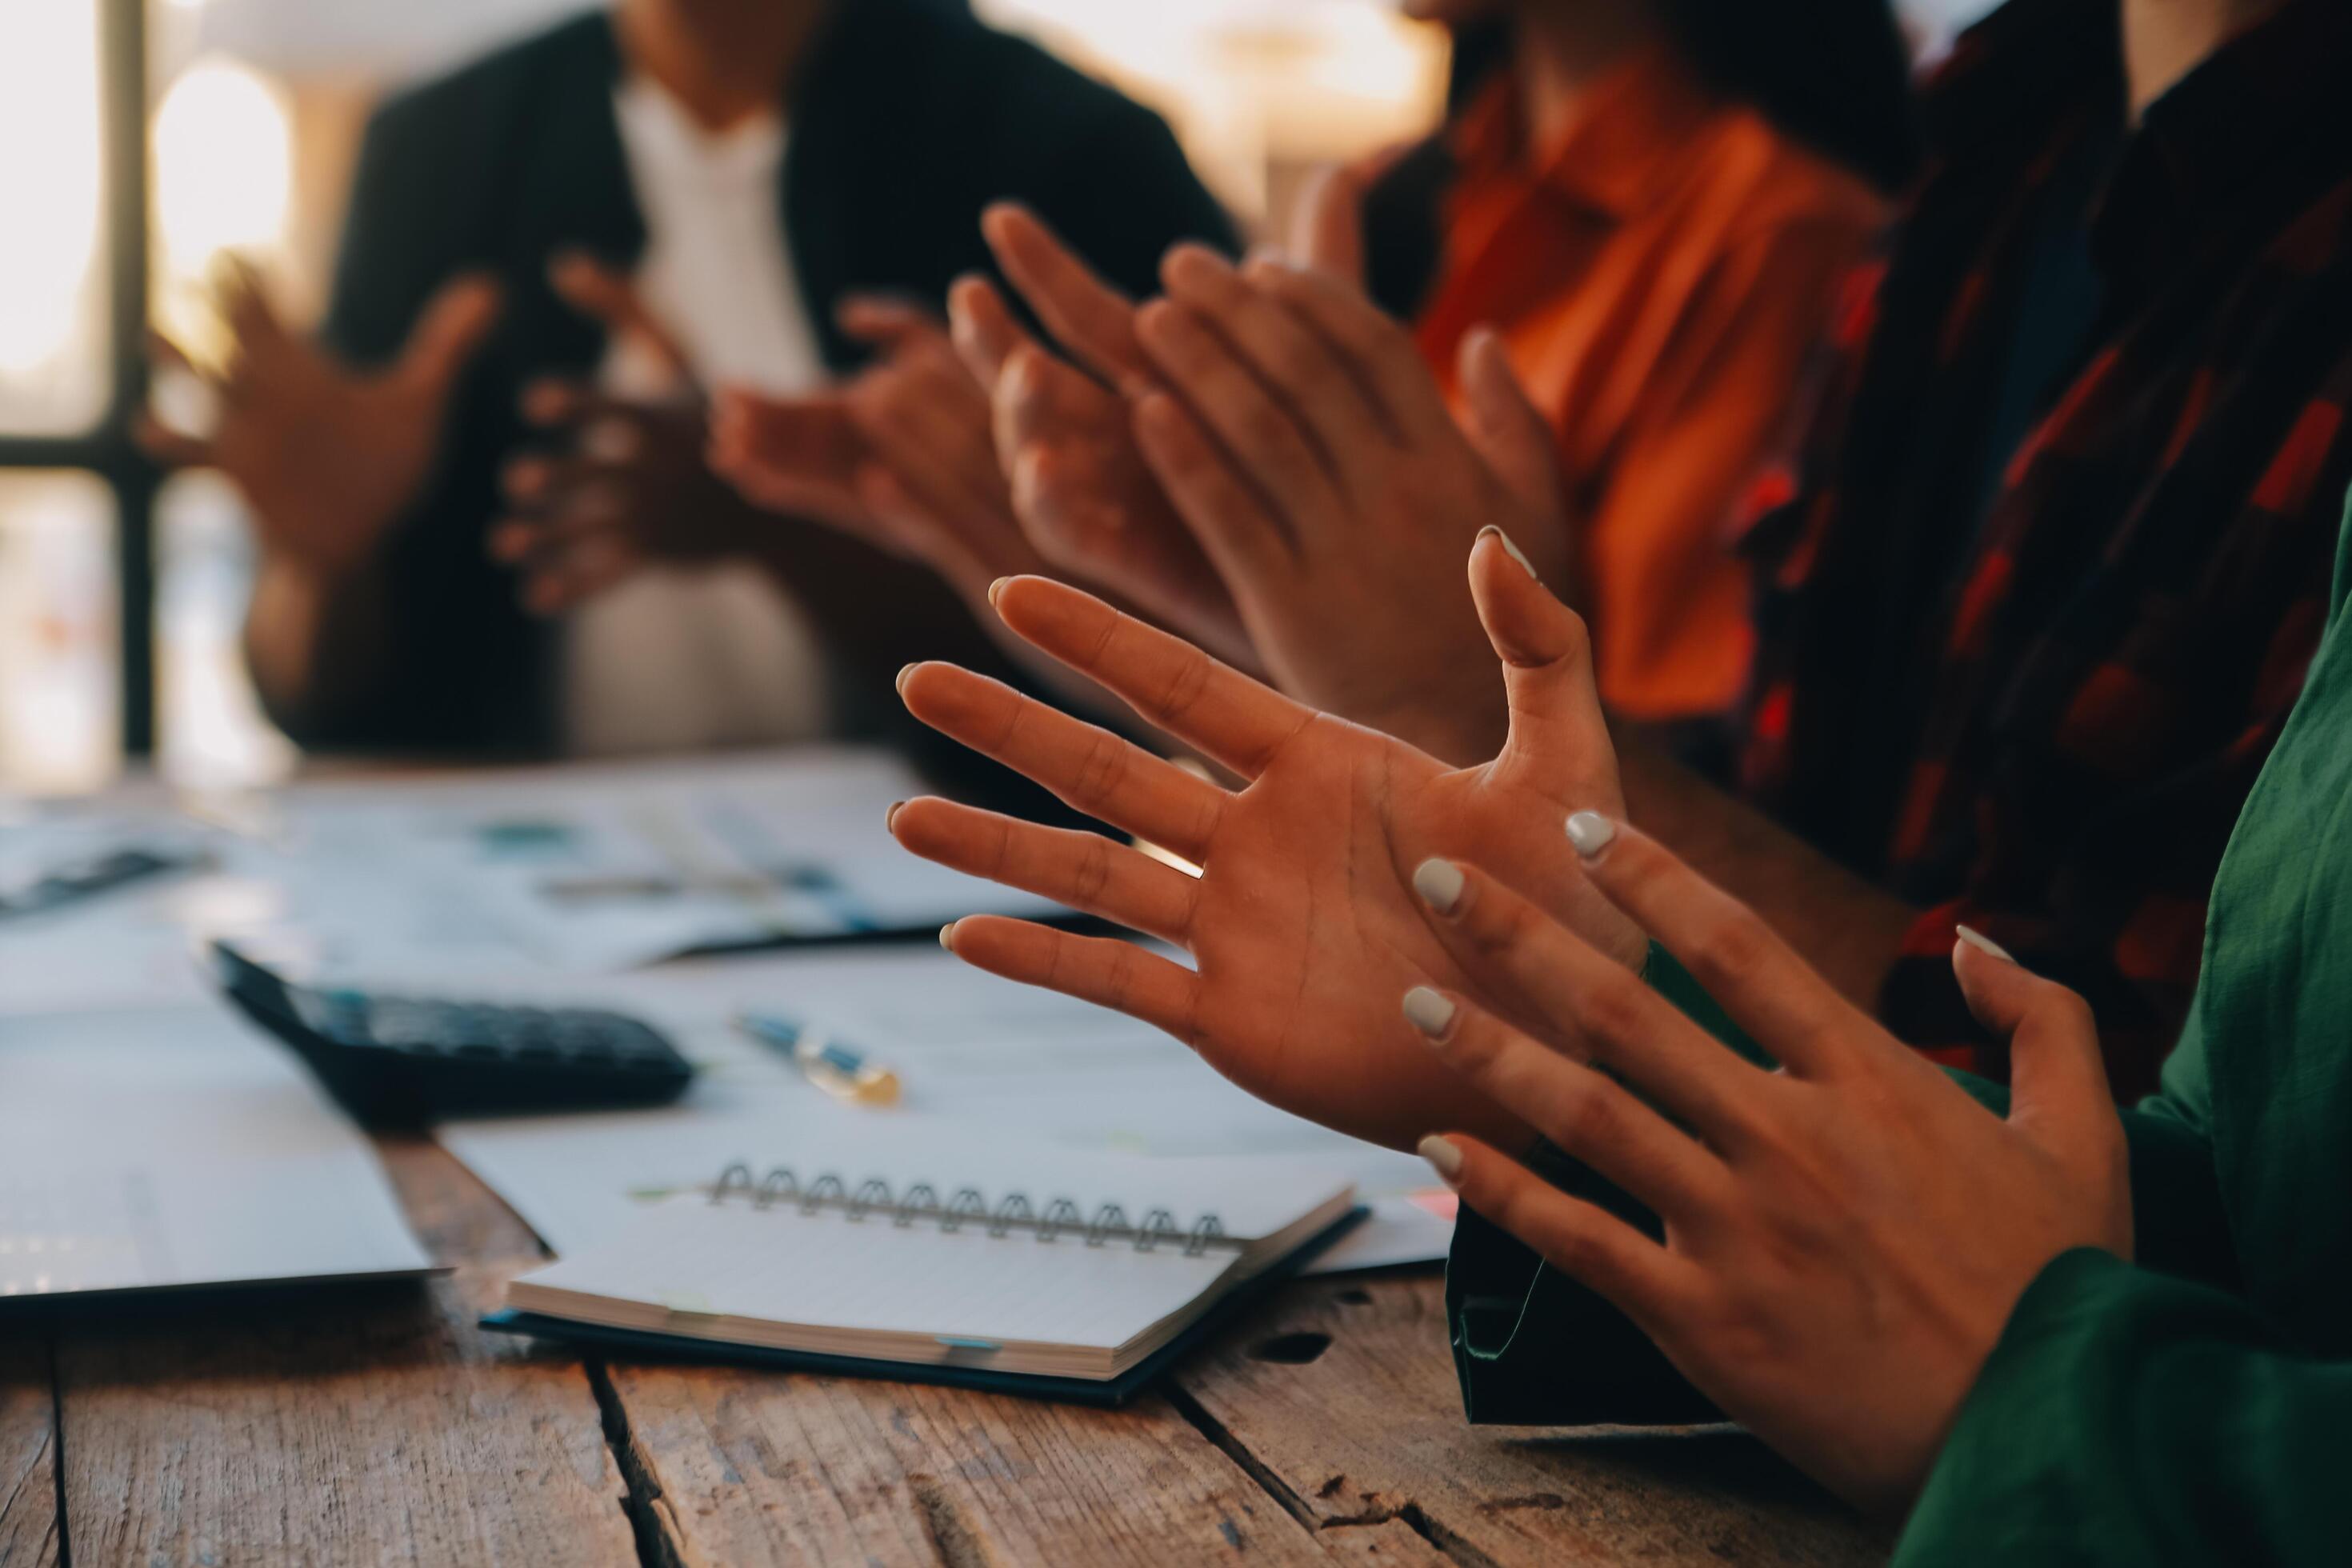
x,y
1642,210
548,255
1652,202
2049,571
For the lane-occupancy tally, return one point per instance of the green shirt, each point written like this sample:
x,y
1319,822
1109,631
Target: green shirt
x,y
2194,1405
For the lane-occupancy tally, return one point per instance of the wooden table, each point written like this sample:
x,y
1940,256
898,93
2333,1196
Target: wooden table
x,y
373,1425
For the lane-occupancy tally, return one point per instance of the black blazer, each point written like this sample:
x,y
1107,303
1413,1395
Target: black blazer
x,y
908,118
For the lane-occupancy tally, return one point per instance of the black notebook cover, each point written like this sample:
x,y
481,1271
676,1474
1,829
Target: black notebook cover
x,y
639,1343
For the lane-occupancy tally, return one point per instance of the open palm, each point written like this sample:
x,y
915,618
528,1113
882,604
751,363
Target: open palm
x,y
1303,924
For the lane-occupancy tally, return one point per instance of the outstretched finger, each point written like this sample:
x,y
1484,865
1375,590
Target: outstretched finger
x,y
1103,970
244,302
1758,980
1110,779
1070,866
1209,706
168,447
1582,1239
983,328
1585,1002
1092,321
1508,430
1584,1112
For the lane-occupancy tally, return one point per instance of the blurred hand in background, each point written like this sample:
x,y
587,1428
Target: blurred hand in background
x,y
623,481
1085,498
1293,438
327,455
899,455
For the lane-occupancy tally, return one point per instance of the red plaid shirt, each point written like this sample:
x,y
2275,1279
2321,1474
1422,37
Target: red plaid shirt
x,y
2042,722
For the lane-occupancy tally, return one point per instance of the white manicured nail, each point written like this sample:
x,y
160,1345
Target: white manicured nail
x,y
1444,1158
1590,832
1430,1011
1439,883
1984,944
1516,553
946,936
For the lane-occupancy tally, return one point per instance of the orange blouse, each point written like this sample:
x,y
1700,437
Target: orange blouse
x,y
1659,275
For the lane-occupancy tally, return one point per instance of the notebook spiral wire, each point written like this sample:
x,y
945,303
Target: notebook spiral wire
x,y
969,1206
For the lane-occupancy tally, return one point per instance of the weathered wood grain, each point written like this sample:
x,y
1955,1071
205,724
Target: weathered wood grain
x,y
1344,1396
362,1425
767,1468
28,1477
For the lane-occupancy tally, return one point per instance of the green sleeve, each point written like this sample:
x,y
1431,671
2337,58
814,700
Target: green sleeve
x,y
1532,1347
2127,1417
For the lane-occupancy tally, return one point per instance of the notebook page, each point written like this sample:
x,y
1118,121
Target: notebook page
x,y
872,1278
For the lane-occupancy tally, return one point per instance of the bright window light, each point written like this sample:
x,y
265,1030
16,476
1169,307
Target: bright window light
x,y
52,293
224,172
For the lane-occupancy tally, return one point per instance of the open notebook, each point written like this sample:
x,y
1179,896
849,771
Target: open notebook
x,y
1075,1281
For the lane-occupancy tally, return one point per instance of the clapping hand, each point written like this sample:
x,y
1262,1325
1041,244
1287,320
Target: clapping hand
x,y
1085,498
1303,923
327,456
623,481
1283,427
1845,1236
1309,449
900,456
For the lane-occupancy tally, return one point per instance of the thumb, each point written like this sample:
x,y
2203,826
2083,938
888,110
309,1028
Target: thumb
x,y
1558,734
453,324
1328,233
983,328
2056,1076
1508,430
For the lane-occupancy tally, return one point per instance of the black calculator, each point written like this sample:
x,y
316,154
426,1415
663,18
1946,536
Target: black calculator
x,y
397,1061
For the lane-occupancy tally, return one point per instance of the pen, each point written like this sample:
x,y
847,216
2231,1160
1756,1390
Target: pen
x,y
841,1071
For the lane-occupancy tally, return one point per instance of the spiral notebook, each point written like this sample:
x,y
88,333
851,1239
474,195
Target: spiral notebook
x,y
1081,1281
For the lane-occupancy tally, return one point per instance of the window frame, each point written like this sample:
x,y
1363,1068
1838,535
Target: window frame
x,y
107,450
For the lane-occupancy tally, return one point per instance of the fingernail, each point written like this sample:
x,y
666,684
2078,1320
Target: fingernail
x,y
904,671
1984,944
1430,1011
1439,883
1590,832
1516,553
891,817
946,936
996,588
1444,1157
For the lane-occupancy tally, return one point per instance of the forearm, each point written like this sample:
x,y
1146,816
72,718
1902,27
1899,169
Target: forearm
x,y
2128,1418
316,643
1845,927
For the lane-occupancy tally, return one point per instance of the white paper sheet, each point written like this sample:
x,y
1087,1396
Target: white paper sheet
x,y
471,877
157,1148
